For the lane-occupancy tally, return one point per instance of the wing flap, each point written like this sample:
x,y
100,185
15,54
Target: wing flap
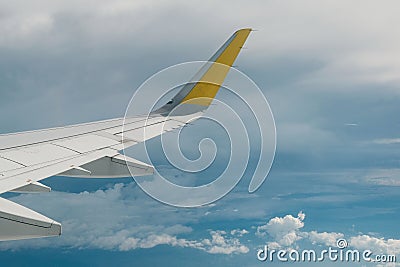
x,y
19,222
33,187
24,176
111,167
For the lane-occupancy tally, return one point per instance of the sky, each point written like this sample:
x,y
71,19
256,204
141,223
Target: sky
x,y
330,71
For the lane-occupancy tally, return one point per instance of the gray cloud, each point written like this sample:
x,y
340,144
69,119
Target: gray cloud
x,y
67,62
321,66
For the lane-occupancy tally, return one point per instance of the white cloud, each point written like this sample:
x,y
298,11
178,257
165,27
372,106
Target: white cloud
x,y
328,239
118,219
284,230
129,244
121,218
301,215
287,230
239,232
387,141
376,245
219,244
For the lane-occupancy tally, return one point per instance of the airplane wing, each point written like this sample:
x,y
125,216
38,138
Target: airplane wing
x,y
92,149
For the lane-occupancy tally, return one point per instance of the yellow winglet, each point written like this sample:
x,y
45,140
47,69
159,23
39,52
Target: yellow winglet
x,y
207,87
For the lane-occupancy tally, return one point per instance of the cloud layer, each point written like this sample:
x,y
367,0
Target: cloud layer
x,y
287,233
122,218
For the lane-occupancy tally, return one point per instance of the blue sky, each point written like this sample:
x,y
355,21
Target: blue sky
x,y
330,72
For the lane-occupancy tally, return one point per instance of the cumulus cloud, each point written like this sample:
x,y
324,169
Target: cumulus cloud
x,y
284,230
122,218
328,239
219,244
375,244
239,232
